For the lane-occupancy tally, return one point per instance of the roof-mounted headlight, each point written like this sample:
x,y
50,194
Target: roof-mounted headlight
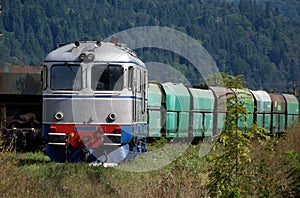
x,y
86,57
90,57
82,56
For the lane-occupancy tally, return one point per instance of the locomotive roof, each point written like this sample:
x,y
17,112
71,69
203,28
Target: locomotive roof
x,y
103,52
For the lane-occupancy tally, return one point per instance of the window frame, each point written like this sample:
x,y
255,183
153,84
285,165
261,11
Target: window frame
x,y
74,79
116,81
130,78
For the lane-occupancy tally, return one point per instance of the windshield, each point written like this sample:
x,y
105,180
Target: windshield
x,y
66,77
107,78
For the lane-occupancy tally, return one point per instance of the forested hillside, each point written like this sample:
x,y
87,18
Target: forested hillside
x,y
289,8
246,37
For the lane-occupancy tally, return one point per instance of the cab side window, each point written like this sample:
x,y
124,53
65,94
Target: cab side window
x,y
130,78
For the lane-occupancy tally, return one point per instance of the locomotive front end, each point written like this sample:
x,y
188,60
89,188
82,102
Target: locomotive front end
x,y
94,102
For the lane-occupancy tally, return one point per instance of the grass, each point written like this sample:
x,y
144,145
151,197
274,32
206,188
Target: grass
x,y
36,176
173,170
33,175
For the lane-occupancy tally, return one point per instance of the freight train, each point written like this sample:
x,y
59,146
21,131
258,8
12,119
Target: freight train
x,y
98,105
92,102
20,108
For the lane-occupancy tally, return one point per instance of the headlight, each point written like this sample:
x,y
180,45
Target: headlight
x,y
86,57
59,116
82,56
90,57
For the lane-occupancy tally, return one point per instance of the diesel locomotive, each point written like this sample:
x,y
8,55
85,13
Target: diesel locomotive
x,y
94,102
98,105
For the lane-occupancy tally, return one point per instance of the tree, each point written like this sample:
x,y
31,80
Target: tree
x,y
231,169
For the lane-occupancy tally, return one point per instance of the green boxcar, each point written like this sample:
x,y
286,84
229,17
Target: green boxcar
x,y
292,109
154,110
203,102
154,123
267,122
221,95
263,106
246,97
202,124
154,96
177,102
208,124
171,124
278,113
278,123
183,125
177,97
197,124
282,123
220,122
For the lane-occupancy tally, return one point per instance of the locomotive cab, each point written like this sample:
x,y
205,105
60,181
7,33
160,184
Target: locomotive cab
x,y
94,102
